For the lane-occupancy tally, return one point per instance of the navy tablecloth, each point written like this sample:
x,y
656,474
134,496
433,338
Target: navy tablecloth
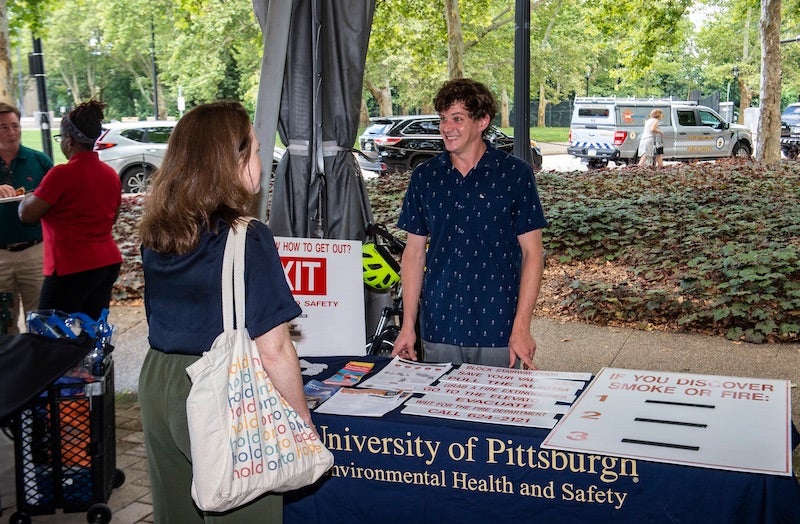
x,y
403,468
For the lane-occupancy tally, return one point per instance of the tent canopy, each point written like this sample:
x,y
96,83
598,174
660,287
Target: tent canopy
x,y
310,92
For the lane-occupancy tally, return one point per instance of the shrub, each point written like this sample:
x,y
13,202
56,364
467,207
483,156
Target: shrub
x,y
716,246
712,247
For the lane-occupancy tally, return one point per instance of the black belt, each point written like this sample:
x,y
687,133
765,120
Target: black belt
x,y
19,246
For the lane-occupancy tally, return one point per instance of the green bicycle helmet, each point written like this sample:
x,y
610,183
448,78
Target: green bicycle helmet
x,y
381,270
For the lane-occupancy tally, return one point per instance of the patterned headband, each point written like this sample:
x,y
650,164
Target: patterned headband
x,y
68,127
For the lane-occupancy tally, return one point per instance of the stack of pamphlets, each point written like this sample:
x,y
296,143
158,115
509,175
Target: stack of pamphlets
x,y
350,374
317,392
515,397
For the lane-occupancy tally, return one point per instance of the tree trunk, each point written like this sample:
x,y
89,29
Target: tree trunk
x,y
542,105
746,36
768,148
382,95
74,88
745,97
455,41
386,100
5,57
363,114
504,120
745,94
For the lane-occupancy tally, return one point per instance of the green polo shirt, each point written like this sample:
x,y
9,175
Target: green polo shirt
x,y
27,170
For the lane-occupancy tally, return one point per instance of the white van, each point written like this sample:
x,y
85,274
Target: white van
x,y
608,129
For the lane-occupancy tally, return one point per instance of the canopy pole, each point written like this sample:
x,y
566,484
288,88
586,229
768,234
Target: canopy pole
x,y
522,80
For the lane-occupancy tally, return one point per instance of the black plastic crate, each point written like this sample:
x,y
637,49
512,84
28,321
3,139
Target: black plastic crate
x,y
65,448
5,312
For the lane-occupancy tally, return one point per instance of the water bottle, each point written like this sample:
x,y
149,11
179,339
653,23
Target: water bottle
x,y
93,361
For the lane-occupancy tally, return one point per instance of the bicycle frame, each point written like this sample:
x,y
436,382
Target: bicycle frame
x,y
386,330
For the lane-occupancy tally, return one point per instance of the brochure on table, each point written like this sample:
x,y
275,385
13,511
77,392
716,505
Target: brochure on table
x,y
382,392
407,375
731,423
326,280
363,402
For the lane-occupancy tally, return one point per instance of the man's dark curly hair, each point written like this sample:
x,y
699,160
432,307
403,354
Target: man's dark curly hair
x,y
476,97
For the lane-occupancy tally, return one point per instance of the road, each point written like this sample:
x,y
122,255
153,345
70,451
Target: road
x,y
563,163
555,158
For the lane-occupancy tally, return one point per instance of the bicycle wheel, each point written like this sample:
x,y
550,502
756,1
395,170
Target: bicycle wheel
x,y
383,344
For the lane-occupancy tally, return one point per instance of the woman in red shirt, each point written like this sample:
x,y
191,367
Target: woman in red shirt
x,y
77,203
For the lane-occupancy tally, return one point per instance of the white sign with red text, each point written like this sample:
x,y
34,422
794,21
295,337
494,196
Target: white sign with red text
x,y
732,423
325,277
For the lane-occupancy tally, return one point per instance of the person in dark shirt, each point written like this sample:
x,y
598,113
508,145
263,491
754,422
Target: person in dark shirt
x,y
473,263
21,170
207,181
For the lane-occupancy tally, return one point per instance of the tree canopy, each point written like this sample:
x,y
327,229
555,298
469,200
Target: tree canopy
x,y
207,49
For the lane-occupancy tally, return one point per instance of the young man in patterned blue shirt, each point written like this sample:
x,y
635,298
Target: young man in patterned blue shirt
x,y
473,262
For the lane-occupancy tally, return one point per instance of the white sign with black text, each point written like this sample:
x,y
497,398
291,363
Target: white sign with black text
x,y
731,423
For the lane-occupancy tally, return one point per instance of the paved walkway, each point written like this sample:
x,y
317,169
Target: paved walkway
x,y
563,346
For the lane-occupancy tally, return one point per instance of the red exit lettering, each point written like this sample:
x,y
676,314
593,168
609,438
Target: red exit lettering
x,y
306,276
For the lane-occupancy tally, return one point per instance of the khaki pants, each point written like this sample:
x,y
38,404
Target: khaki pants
x,y
21,275
163,388
484,356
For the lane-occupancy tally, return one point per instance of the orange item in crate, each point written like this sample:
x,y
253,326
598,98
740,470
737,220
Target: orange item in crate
x,y
75,433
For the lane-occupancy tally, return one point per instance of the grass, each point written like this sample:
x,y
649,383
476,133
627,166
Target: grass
x,y
33,138
550,134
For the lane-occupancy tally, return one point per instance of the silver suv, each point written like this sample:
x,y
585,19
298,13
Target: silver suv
x,y
134,149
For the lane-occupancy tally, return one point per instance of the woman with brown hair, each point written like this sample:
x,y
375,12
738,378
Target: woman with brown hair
x,y
207,181
77,203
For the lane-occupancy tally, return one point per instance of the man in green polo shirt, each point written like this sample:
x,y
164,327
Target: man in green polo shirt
x,y
20,244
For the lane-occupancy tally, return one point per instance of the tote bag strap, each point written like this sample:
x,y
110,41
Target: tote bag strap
x,y
240,234
227,282
233,302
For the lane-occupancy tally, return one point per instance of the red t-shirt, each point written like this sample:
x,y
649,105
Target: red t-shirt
x,y
85,195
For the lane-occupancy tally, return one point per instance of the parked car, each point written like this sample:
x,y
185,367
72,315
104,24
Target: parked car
x,y
370,164
790,140
791,115
134,149
367,163
404,142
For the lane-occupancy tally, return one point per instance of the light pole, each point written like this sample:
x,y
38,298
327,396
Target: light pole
x,y
522,80
587,75
36,67
735,73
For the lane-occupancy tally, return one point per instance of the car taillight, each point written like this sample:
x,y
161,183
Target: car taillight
x,y
99,145
619,137
387,140
570,136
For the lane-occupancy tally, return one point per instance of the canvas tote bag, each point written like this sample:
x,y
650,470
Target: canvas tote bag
x,y
246,440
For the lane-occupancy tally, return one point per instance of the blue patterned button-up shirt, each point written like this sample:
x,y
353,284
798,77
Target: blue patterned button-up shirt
x,y
472,274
